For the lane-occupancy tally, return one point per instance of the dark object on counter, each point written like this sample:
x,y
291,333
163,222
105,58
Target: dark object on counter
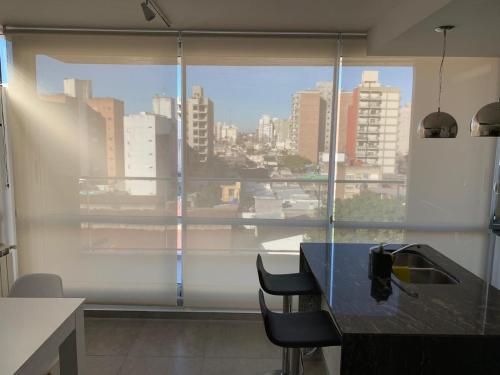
x,y
380,263
381,289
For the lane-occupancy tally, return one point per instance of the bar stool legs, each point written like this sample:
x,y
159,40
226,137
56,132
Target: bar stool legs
x,y
295,359
287,309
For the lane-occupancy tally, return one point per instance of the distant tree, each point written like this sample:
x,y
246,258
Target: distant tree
x,y
296,163
367,206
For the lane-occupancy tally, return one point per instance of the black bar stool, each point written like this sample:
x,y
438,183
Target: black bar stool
x,y
299,330
286,285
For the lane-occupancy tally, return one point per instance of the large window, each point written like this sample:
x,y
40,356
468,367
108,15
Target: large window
x,y
152,172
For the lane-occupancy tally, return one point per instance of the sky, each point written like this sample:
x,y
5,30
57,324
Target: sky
x,y
241,94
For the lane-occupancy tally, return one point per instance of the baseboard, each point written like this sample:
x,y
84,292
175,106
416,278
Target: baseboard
x,y
195,315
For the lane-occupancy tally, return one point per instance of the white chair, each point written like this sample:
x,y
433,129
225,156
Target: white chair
x,y
37,285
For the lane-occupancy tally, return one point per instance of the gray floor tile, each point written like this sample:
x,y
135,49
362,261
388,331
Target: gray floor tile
x,y
162,337
315,368
105,336
243,339
240,366
161,366
104,365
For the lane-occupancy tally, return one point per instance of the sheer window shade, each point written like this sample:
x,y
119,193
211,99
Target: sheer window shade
x,y
255,76
76,216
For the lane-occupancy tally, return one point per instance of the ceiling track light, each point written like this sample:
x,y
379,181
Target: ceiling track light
x,y
439,124
151,9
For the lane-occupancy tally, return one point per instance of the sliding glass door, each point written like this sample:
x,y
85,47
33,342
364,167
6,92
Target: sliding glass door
x,y
258,115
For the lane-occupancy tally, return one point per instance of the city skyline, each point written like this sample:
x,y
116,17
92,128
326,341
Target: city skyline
x,y
124,83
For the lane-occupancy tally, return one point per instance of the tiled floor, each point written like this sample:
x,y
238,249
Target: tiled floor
x,y
182,347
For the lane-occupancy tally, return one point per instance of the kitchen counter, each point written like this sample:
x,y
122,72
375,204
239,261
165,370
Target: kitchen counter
x,y
448,326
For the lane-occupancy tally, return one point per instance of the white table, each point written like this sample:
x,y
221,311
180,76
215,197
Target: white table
x,y
34,330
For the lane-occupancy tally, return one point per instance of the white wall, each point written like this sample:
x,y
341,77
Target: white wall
x,y
450,179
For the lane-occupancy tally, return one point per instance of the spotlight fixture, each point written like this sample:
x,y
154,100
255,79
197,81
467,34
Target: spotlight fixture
x,y
439,124
486,122
151,9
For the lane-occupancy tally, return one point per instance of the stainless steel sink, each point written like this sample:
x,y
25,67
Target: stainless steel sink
x,y
411,259
428,276
414,268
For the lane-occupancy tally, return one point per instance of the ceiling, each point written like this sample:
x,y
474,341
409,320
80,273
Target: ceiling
x,y
395,27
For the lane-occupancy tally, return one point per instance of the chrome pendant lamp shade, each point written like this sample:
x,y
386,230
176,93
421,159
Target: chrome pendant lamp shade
x,y
486,122
439,124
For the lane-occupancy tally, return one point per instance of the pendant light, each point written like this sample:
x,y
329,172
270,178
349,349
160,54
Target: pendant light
x,y
486,122
439,124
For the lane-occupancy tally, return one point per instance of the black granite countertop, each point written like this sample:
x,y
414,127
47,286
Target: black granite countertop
x,y
341,271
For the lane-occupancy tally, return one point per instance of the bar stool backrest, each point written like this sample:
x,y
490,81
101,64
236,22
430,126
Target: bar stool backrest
x,y
261,272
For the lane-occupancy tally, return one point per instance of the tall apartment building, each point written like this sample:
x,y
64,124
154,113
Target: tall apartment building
x,y
112,110
150,152
343,124
404,129
164,105
374,113
265,130
282,133
308,124
88,123
325,89
200,124
226,133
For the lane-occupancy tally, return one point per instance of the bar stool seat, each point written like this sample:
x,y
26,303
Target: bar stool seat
x,y
298,330
289,284
302,330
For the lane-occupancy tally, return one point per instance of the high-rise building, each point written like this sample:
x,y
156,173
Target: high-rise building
x,y
226,133
88,124
164,105
150,151
200,124
404,129
282,133
325,89
112,110
343,124
265,130
372,136
78,88
308,124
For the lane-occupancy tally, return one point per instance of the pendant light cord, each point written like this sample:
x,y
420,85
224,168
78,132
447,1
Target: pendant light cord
x,y
441,70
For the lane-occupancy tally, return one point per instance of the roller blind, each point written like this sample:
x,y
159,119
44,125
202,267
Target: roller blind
x,y
265,50
250,93
95,163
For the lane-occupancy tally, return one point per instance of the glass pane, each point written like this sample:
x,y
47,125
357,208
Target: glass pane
x,y
219,264
253,237
373,143
297,199
362,235
254,152
95,134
